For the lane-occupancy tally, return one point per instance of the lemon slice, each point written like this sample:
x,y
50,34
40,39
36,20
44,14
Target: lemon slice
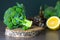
x,y
53,23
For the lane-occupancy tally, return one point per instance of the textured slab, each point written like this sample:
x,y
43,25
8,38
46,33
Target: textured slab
x,y
21,33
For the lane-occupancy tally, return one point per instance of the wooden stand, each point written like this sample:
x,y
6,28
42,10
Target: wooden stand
x,y
21,33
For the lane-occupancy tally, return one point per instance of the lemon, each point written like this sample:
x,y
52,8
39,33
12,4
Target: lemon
x,y
53,22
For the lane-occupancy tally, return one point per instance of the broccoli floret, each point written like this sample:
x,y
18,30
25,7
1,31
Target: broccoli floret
x,y
15,17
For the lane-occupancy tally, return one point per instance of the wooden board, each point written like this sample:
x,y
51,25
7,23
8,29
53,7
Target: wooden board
x,y
23,33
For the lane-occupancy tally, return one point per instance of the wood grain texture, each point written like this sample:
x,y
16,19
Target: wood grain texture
x,y
23,33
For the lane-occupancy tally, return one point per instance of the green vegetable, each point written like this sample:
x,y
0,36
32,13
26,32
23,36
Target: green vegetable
x,y
15,17
52,11
57,8
48,12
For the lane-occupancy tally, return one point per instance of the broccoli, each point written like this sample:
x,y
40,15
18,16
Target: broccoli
x,y
14,17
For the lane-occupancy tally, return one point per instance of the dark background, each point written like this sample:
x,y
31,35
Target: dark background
x,y
31,6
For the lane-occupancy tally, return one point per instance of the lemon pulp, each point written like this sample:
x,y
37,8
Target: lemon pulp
x,y
53,22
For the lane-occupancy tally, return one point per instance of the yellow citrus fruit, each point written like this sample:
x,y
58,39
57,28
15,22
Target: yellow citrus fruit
x,y
53,22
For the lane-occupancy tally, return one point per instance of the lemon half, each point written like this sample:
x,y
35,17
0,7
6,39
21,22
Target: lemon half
x,y
53,22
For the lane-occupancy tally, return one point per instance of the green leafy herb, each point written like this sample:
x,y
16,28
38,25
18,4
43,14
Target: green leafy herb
x,y
57,8
48,12
52,11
